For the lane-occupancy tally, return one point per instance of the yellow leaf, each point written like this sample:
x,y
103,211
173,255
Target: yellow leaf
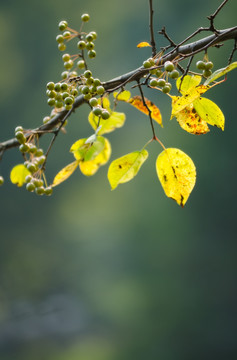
x,y
18,174
180,102
191,122
64,174
89,168
177,174
188,82
126,167
143,44
137,102
122,96
84,151
116,120
220,72
210,112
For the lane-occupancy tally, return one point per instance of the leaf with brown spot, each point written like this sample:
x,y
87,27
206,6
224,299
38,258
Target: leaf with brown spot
x,y
137,102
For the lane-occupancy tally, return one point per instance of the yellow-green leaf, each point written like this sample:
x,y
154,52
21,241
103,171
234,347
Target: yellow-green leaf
x,y
84,151
115,121
18,174
122,96
143,44
221,72
188,82
64,174
209,112
177,174
180,102
126,167
137,102
89,168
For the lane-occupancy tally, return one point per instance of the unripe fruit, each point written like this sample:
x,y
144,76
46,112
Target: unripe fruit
x,y
57,87
85,17
97,82
85,90
91,54
30,186
50,85
66,34
154,82
105,114
94,34
81,45
93,102
48,190
18,128
64,86
100,90
90,45
66,57
68,64
81,64
24,148
61,47
161,82
20,137
158,72
200,65
209,65
168,66
1,180
51,102
68,101
89,37
62,25
174,74
39,190
87,74
64,74
97,111
207,73
39,152
147,64
28,178
166,89
59,38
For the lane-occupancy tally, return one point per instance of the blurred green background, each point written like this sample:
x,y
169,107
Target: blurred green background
x,y
94,274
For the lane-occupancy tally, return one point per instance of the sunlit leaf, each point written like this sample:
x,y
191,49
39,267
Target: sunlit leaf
x,y
221,72
122,96
137,102
180,102
191,122
143,44
188,82
177,174
18,174
104,102
89,168
116,120
209,112
65,173
85,151
126,167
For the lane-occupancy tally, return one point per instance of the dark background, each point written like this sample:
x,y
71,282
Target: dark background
x,y
94,274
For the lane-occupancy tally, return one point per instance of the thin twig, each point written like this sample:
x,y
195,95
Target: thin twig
x,y
212,17
153,43
149,111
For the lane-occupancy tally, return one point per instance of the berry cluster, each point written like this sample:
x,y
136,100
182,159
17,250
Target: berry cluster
x,y
61,95
205,66
34,160
169,71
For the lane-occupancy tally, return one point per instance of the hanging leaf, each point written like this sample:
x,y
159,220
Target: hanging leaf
x,y
221,72
180,102
65,173
122,96
177,174
143,44
115,121
191,122
137,102
126,167
85,151
18,174
187,82
89,168
210,112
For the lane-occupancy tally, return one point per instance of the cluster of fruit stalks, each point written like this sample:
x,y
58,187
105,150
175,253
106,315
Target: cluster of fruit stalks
x,y
61,95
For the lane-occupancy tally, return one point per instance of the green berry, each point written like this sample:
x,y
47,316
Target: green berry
x,y
91,54
166,89
51,94
50,85
20,137
207,73
41,159
89,37
28,178
153,82
81,45
64,95
58,104
93,102
105,114
59,38
32,148
68,100
161,82
97,111
200,65
81,64
87,74
85,90
32,167
62,25
94,34
97,82
39,190
68,64
168,66
90,45
66,57
74,92
39,152
100,90
147,64
85,17
64,86
66,34
174,74
159,72
30,186
64,75
48,190
18,128
61,47
51,102
1,180
209,65
24,148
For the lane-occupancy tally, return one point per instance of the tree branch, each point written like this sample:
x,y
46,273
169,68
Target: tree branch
x,y
182,52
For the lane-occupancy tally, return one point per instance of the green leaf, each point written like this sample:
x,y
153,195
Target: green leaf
x,y
126,167
177,174
83,151
210,112
18,174
221,72
116,120
65,173
188,82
